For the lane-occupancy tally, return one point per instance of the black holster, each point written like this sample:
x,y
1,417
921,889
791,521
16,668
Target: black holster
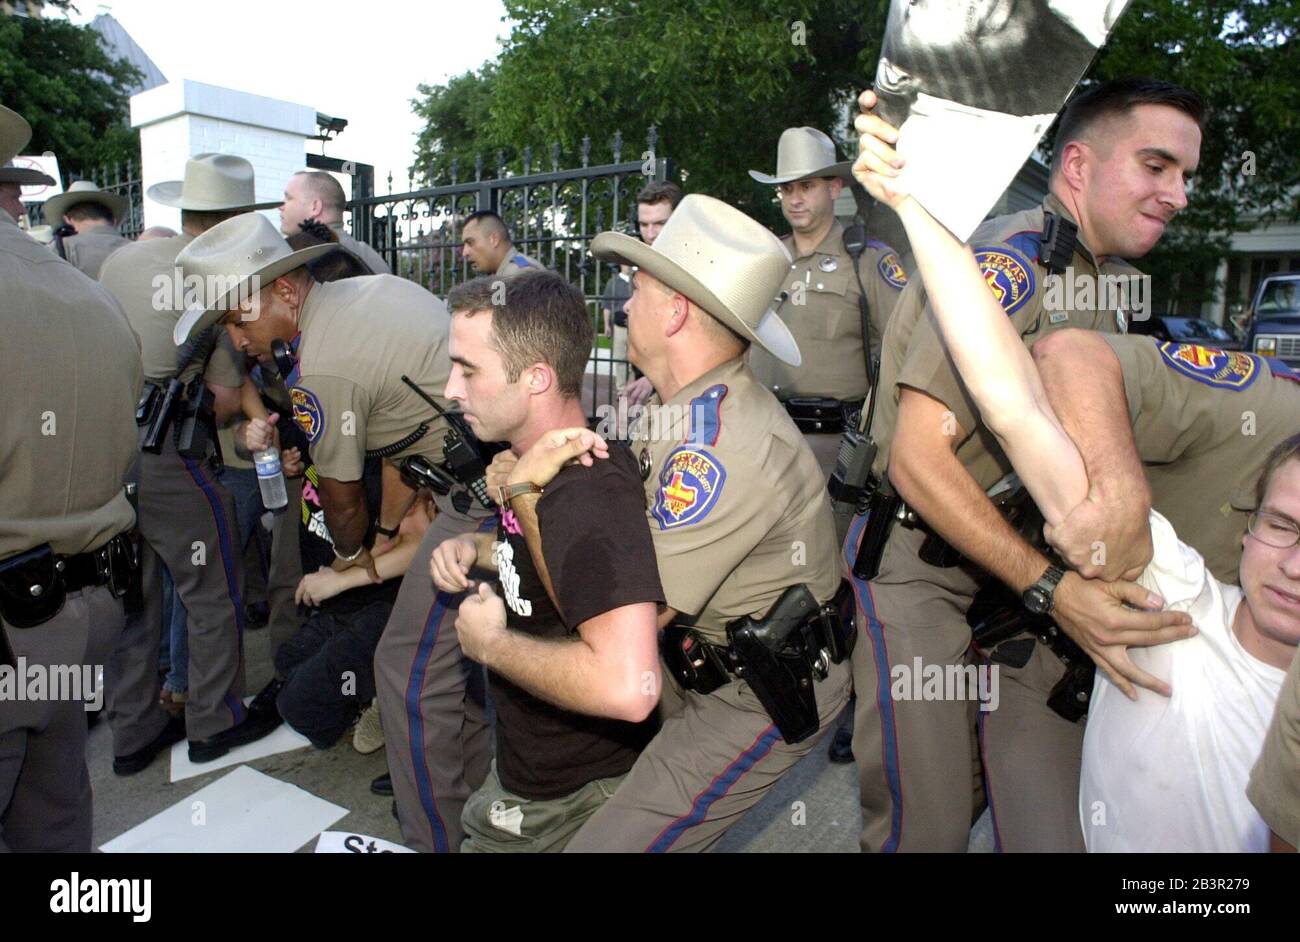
x,y
820,415
882,513
35,584
780,656
159,410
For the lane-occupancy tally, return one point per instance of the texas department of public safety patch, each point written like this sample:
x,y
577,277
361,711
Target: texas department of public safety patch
x,y
1009,275
1227,369
689,485
892,271
307,412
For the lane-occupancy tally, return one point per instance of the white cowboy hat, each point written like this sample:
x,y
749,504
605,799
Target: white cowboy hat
x,y
15,132
802,153
213,183
240,255
725,262
85,191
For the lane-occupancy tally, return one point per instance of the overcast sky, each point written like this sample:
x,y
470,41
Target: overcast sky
x,y
360,61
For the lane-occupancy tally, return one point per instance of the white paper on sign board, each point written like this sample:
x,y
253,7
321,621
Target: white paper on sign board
x,y
243,812
48,165
284,739
345,842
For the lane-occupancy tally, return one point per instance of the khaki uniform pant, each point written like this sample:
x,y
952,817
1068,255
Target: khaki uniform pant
x,y
187,520
1031,761
45,798
431,701
915,757
714,758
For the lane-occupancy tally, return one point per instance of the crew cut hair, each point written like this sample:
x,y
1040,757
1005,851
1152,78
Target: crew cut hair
x,y
1116,99
537,317
1285,451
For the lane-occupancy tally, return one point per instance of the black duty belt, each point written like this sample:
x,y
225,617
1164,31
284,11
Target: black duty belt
x,y
34,584
822,416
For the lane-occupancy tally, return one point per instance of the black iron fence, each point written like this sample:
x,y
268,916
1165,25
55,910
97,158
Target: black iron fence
x,y
552,215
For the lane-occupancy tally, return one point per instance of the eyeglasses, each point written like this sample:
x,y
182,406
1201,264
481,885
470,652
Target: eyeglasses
x,y
1273,530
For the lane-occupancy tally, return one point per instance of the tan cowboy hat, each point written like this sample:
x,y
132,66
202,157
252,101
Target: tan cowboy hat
x,y
213,183
802,153
239,255
722,260
27,176
85,191
15,132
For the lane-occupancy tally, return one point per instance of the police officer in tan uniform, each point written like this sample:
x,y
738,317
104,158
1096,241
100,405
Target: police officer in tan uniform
x,y
739,515
350,399
64,562
1275,780
915,753
489,248
95,214
314,194
186,515
821,299
1204,423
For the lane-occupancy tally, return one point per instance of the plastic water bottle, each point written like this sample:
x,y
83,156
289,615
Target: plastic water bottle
x,y
270,478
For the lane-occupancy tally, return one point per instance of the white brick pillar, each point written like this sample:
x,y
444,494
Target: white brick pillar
x,y
181,119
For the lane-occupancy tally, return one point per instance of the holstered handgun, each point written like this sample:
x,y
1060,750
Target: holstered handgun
x,y
161,416
771,655
883,509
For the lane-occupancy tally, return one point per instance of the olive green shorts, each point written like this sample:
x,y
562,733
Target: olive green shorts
x,y
497,821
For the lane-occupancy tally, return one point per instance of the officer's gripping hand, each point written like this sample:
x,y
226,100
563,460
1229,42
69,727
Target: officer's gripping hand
x,y
291,462
260,433
1105,537
556,448
451,562
498,472
480,622
638,391
878,164
363,561
1095,615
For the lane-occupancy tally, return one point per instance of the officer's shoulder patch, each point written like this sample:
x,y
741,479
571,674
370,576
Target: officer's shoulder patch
x,y
891,269
307,412
706,416
1226,369
689,485
1009,274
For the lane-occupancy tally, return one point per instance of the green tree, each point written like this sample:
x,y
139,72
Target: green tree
x,y
60,78
456,126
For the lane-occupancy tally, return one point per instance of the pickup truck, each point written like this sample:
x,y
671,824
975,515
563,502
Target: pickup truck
x,y
1272,322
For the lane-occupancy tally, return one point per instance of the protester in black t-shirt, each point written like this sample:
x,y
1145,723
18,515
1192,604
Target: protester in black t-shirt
x,y
573,666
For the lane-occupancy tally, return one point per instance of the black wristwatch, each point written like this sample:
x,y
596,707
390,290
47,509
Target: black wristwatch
x,y
385,531
1039,597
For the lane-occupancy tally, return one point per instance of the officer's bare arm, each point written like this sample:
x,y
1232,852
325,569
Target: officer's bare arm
x,y
225,402
923,466
611,669
1092,407
346,517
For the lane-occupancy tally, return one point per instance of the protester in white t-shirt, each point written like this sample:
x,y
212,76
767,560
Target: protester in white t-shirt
x,y
1158,773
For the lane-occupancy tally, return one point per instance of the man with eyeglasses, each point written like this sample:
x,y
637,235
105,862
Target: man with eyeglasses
x,y
1214,431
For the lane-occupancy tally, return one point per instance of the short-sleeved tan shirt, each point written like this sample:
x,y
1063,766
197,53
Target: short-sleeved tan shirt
x,y
67,431
358,337
150,286
88,250
367,256
1204,422
738,508
819,303
914,354
517,261
1274,787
